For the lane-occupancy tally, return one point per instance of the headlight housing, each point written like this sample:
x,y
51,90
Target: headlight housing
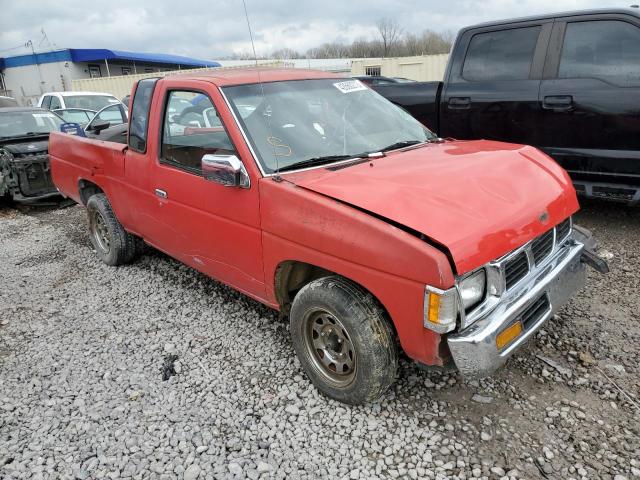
x,y
472,289
441,307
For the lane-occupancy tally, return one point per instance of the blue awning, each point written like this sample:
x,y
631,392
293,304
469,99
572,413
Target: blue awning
x,y
102,54
98,54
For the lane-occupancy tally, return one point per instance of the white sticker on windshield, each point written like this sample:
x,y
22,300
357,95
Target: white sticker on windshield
x,y
43,115
350,86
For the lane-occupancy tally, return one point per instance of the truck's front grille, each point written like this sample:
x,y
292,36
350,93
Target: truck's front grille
x,y
563,230
516,269
541,247
535,311
539,250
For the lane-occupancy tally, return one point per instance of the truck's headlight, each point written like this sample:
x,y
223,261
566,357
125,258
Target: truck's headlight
x,y
440,309
472,289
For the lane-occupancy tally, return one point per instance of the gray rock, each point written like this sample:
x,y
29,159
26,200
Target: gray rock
x,y
498,471
482,398
264,467
192,472
292,409
235,468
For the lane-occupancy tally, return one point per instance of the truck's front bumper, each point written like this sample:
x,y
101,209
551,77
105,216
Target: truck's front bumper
x,y
475,351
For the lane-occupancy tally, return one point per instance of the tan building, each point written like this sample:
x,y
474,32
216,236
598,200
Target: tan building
x,y
422,68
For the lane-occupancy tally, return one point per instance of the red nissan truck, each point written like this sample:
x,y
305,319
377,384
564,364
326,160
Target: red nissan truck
x,y
314,195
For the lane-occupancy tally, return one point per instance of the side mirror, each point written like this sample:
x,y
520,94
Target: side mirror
x,y
99,126
226,170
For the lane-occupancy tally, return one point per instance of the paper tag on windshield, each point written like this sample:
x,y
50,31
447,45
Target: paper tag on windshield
x,y
350,86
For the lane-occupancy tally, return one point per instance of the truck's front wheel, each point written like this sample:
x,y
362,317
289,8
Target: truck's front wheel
x,y
113,244
343,340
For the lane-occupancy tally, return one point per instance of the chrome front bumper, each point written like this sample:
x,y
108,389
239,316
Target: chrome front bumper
x,y
474,349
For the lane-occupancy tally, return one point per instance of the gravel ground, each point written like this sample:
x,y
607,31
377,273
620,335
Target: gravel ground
x,y
154,371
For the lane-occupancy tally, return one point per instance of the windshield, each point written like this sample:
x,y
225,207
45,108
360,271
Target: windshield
x,y
307,120
89,102
20,124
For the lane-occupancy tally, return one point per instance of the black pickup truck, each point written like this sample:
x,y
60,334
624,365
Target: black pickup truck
x,y
567,83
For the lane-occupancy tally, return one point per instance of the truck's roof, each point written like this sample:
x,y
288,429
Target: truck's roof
x,y
241,76
599,11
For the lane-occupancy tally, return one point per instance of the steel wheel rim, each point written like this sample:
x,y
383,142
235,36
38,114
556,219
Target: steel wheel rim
x,y
330,348
100,231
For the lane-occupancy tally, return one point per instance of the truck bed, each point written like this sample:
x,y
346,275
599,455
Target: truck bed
x,y
420,99
74,158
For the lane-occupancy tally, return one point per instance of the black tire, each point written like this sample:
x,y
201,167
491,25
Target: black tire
x,y
343,340
113,244
140,247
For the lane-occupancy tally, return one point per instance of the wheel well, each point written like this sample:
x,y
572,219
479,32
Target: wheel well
x,y
87,189
291,276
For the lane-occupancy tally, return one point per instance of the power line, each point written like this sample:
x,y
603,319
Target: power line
x,y
24,45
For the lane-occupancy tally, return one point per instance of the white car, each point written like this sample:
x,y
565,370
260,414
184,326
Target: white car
x,y
93,101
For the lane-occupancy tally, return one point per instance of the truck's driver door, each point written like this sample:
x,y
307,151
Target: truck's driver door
x,y
213,228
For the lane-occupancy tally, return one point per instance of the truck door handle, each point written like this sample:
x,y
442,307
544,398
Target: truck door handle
x,y
558,103
161,193
459,103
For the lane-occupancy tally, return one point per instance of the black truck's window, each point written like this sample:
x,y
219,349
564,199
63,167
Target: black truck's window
x,y
191,130
501,55
606,49
140,114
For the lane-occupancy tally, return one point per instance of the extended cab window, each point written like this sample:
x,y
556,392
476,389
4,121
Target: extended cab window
x,y
606,49
501,55
140,114
191,130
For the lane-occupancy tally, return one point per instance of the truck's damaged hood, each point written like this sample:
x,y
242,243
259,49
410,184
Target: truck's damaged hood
x,y
25,146
478,199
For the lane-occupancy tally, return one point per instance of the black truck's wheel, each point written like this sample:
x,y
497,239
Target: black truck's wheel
x,y
113,244
343,340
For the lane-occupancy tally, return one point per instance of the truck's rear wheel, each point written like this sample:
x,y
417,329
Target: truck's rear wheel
x,y
344,340
113,244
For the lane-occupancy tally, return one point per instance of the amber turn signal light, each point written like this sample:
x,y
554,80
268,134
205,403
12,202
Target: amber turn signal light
x,y
508,335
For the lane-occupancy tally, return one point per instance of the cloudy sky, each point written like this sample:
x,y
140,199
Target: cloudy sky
x,y
214,29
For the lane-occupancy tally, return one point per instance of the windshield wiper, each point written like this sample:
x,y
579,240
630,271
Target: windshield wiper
x,y
403,143
315,161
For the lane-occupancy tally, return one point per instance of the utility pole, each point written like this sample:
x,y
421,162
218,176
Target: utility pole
x,y
35,56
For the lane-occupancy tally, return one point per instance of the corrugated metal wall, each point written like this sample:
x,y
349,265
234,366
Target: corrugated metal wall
x,y
422,68
121,85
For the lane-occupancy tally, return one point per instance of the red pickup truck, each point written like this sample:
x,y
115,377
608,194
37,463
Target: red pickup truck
x,y
318,197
